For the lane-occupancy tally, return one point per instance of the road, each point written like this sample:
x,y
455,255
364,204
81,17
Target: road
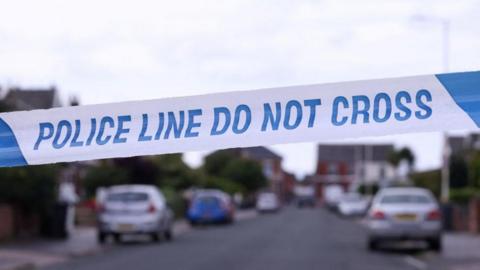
x,y
291,239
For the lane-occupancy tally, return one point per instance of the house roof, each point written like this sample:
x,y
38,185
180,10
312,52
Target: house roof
x,y
259,153
31,99
352,152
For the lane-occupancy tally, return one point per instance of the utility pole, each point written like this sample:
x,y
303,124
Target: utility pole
x,y
445,171
446,146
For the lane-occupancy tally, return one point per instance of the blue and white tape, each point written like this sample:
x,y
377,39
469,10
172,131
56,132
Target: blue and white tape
x,y
239,119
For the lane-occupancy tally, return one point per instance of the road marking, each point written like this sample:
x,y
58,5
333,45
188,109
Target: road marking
x,y
416,263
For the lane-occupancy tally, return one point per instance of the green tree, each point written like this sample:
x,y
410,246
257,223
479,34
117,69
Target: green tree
x,y
172,171
225,166
458,171
216,162
474,169
104,175
429,180
3,107
404,154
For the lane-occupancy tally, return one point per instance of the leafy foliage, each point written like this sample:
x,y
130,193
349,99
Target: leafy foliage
x,y
458,171
104,175
31,188
234,172
396,157
430,180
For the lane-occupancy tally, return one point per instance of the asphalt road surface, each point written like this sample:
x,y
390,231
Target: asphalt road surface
x,y
290,239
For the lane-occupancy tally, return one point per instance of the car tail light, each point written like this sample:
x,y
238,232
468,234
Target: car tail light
x,y
434,215
151,208
100,208
379,215
225,206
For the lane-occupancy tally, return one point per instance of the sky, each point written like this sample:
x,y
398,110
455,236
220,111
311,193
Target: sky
x,y
110,51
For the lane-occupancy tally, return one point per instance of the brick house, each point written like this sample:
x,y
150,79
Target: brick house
x,y
350,165
280,182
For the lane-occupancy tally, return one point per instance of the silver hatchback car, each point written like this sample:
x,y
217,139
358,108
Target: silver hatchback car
x,y
404,214
134,209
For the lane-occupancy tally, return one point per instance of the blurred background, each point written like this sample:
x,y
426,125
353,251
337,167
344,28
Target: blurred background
x,y
322,194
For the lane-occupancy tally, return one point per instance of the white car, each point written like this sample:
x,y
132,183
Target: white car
x,y
332,195
404,214
134,209
267,202
353,204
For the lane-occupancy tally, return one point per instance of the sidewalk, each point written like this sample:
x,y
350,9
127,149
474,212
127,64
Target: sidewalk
x,y
26,255
42,252
461,252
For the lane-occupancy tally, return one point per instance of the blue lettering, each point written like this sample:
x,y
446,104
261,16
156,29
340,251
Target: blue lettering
x,y
401,106
356,100
43,135
376,107
75,142
288,110
216,120
312,103
142,137
268,116
103,122
63,124
121,130
427,111
93,121
336,103
192,124
236,120
161,122
173,125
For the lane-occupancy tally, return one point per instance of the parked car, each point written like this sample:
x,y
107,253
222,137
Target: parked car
x,y
353,204
332,195
305,195
134,209
211,206
404,214
267,202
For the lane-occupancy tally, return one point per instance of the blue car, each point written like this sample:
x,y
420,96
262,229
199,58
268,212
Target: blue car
x,y
210,207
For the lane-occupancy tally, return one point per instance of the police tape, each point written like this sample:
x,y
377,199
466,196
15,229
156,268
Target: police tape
x,y
240,119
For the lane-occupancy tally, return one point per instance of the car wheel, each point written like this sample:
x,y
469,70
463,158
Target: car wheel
x,y
155,236
117,238
168,235
435,243
101,237
372,244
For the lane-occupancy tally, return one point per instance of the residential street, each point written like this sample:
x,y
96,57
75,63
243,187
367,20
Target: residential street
x,y
292,239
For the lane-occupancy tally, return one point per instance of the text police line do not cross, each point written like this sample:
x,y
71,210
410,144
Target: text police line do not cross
x,y
306,113
290,115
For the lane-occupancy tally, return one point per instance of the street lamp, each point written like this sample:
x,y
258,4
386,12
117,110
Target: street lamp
x,y
445,23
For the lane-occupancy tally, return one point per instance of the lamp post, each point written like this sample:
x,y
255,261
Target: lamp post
x,y
445,172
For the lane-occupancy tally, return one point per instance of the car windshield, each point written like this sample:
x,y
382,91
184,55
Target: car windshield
x,y
405,198
127,197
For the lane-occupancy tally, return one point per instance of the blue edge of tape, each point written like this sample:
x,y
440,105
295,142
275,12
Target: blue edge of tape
x,y
463,87
10,153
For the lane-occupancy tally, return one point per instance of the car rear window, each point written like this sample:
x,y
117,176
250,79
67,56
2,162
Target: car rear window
x,y
206,200
127,197
405,198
